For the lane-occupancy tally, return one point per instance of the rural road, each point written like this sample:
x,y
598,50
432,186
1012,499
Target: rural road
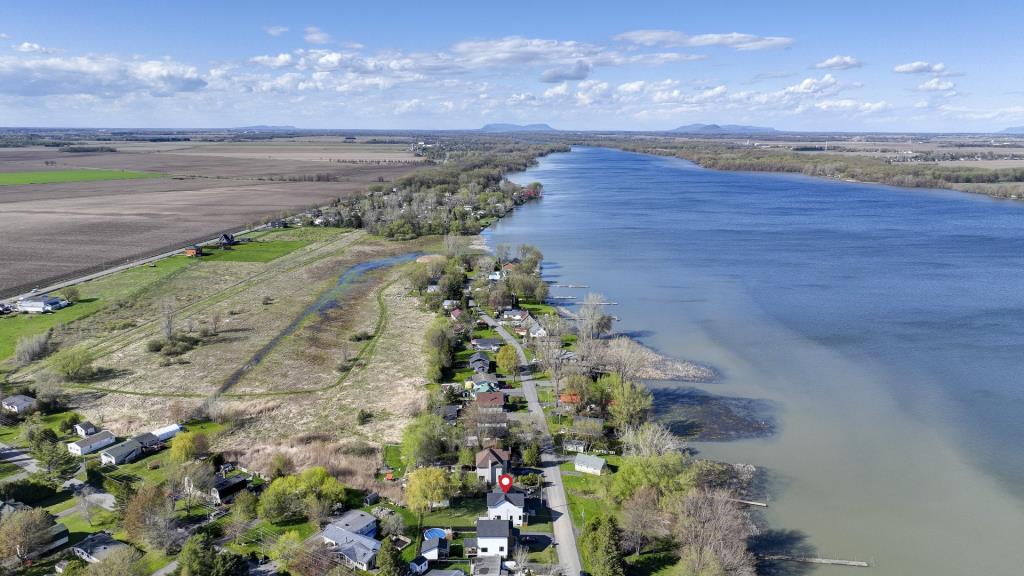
x,y
564,533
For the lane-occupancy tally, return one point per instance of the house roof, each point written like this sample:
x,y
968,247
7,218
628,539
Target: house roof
x,y
99,545
490,399
146,439
355,520
123,449
495,499
493,528
9,506
487,342
480,357
588,461
488,456
355,547
434,544
19,400
484,378
93,439
226,486
487,566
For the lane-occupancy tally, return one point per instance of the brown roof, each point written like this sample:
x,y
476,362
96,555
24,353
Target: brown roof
x,y
487,456
490,399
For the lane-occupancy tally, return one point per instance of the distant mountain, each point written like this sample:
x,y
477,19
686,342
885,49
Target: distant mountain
x,y
517,128
721,129
265,128
1014,130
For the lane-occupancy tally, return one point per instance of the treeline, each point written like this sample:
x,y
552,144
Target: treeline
x,y
726,156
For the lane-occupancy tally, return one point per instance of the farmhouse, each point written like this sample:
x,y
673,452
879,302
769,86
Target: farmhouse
x,y
90,444
41,303
97,546
493,537
85,429
356,550
509,506
127,451
19,404
589,464
491,463
358,522
225,488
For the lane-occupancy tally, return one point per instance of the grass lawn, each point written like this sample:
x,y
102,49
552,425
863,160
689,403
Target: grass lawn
x,y
583,491
264,533
154,468
393,459
651,564
263,251
79,528
95,296
463,513
11,435
59,176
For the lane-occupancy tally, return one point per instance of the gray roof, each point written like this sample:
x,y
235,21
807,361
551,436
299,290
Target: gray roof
x,y
488,342
487,565
97,437
123,449
436,572
433,544
100,545
355,520
493,528
355,547
19,400
10,506
495,499
147,439
588,461
87,425
481,357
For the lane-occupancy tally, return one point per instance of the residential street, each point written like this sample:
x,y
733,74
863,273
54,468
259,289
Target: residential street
x,y
564,533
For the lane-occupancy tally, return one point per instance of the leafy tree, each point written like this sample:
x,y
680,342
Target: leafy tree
x,y
230,564
467,457
56,463
186,446
149,516
289,497
74,364
425,487
662,473
601,545
508,361
197,556
630,402
23,533
531,454
287,547
423,440
389,561
281,465
243,511
71,293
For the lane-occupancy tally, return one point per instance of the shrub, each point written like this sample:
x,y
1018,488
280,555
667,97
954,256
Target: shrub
x,y
156,344
361,336
73,363
33,347
364,417
71,294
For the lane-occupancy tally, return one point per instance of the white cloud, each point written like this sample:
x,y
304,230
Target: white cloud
x,y
557,91
30,47
406,106
578,71
103,76
4,36
936,85
733,40
315,35
813,85
920,67
279,61
590,91
850,105
839,63
275,30
631,87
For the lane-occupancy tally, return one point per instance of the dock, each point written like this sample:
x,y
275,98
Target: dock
x,y
828,561
749,502
569,286
561,297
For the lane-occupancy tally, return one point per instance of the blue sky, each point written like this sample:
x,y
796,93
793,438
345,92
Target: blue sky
x,y
867,66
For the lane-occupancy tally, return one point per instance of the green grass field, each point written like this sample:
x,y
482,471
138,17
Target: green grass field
x,y
60,176
254,251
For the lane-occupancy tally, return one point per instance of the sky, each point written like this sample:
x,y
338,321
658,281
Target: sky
x,y
935,66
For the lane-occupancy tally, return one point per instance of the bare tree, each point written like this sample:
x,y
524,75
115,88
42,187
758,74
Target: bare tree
x,y
649,439
86,507
712,530
642,519
215,322
593,322
454,246
392,525
624,356
503,252
521,556
167,321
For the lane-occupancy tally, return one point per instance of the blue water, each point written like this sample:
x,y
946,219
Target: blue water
x,y
886,325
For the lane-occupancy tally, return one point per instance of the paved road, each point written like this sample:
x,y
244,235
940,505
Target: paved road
x,y
564,533
21,458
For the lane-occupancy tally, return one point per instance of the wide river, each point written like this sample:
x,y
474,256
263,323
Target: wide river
x,y
884,327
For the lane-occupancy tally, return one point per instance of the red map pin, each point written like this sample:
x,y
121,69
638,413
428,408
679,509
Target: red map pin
x,y
505,481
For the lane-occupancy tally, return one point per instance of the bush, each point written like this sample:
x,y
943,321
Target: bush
x,y
73,363
32,348
156,344
30,491
363,417
361,336
71,294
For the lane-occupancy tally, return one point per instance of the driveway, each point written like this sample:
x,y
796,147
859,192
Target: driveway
x,y
21,458
554,491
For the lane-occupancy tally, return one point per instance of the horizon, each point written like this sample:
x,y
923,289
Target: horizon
x,y
646,69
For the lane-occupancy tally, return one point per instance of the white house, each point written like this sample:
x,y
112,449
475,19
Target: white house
x,y
41,303
589,464
494,276
493,538
85,429
19,404
167,432
96,547
510,506
90,444
419,565
435,549
491,463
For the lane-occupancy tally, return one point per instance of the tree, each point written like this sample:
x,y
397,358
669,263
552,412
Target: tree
x,y
467,457
281,465
32,347
23,533
121,562
71,294
630,402
662,473
197,555
712,531
186,446
423,440
508,361
289,497
149,516
192,482
230,564
531,454
649,439
592,321
55,462
521,556
601,543
624,356
389,561
86,507
392,525
243,511
641,518
287,547
425,487
73,364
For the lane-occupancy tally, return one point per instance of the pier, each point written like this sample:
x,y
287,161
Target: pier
x,y
828,561
749,502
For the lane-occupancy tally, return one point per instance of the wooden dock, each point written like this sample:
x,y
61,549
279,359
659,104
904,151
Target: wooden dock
x,y
828,561
561,297
749,502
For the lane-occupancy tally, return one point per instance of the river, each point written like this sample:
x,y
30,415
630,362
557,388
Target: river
x,y
882,329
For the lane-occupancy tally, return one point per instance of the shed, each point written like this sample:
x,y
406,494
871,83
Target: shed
x,y
167,432
589,464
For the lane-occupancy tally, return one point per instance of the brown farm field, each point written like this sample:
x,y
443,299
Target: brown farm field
x,y
50,232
